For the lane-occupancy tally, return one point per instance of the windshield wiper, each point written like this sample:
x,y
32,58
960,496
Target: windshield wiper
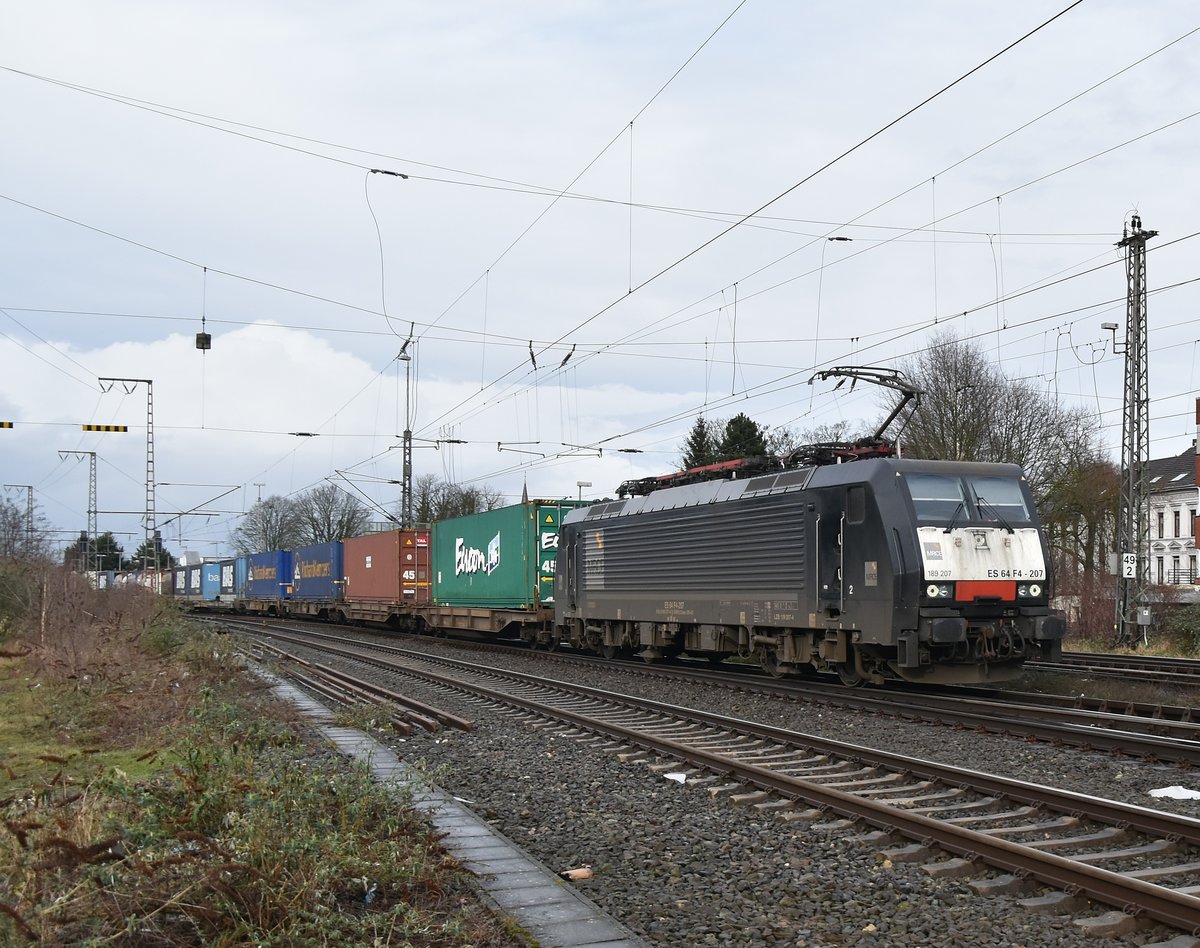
x,y
996,513
961,508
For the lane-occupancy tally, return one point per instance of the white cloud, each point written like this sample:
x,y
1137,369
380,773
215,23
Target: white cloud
x,y
531,92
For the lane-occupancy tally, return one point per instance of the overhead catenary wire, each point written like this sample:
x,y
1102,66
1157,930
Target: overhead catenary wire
x,y
748,342
804,180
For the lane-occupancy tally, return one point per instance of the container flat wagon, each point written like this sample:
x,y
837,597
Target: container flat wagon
x,y
387,577
493,572
268,583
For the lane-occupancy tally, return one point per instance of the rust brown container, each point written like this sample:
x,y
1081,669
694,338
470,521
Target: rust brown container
x,y
388,567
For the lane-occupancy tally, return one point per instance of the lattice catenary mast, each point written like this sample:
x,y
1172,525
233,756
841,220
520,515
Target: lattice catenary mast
x,y
28,488
1133,516
92,554
150,518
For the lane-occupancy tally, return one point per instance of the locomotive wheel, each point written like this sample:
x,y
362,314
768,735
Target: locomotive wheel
x,y
849,676
609,651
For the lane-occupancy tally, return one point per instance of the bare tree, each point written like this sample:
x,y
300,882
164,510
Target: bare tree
x,y
435,499
1080,513
16,539
327,513
782,439
957,417
971,412
271,524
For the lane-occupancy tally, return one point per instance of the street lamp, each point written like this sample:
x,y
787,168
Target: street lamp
x,y
581,485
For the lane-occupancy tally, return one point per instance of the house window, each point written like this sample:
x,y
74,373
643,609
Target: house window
x,y
1159,515
1175,569
1192,529
1175,514
1191,578
1158,560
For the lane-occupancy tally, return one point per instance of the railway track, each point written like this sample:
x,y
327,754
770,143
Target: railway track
x,y
1153,732
1130,666
1143,861
1163,733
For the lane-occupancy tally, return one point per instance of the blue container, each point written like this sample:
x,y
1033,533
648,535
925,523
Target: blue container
x,y
241,570
177,581
192,586
210,582
317,572
228,578
269,575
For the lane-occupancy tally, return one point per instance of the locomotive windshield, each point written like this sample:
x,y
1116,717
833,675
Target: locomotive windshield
x,y
999,498
935,497
943,499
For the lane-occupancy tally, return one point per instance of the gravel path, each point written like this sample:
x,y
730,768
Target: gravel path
x,y
682,869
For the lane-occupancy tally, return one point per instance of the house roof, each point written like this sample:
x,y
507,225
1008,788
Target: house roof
x,y
1173,473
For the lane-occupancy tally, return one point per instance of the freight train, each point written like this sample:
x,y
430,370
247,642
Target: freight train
x,y
927,571
491,572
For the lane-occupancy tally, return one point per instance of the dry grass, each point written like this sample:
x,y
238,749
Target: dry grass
x,y
149,796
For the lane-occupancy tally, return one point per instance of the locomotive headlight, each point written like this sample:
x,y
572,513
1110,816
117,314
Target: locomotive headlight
x,y
939,590
1029,590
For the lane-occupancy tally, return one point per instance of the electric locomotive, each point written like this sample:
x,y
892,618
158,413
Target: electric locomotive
x,y
931,571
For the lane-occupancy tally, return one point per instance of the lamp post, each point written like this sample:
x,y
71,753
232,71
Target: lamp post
x,y
581,485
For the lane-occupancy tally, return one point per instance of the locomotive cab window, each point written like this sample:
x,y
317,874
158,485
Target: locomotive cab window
x,y
935,498
999,499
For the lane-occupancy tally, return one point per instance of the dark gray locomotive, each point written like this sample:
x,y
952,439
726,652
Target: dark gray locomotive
x,y
929,571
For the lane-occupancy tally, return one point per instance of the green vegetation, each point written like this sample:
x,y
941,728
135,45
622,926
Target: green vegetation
x,y
1183,625
151,794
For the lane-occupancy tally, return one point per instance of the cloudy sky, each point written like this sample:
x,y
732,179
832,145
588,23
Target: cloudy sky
x,y
580,180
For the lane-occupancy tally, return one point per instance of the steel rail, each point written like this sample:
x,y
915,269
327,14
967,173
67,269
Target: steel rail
x,y
1132,895
1105,731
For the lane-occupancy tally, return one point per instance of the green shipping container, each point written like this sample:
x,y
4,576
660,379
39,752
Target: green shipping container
x,y
501,559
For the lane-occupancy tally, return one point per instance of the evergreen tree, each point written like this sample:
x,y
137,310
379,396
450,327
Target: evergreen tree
x,y
103,553
700,448
742,438
150,555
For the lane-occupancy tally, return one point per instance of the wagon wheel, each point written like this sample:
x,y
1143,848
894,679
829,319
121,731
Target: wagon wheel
x,y
849,675
769,659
